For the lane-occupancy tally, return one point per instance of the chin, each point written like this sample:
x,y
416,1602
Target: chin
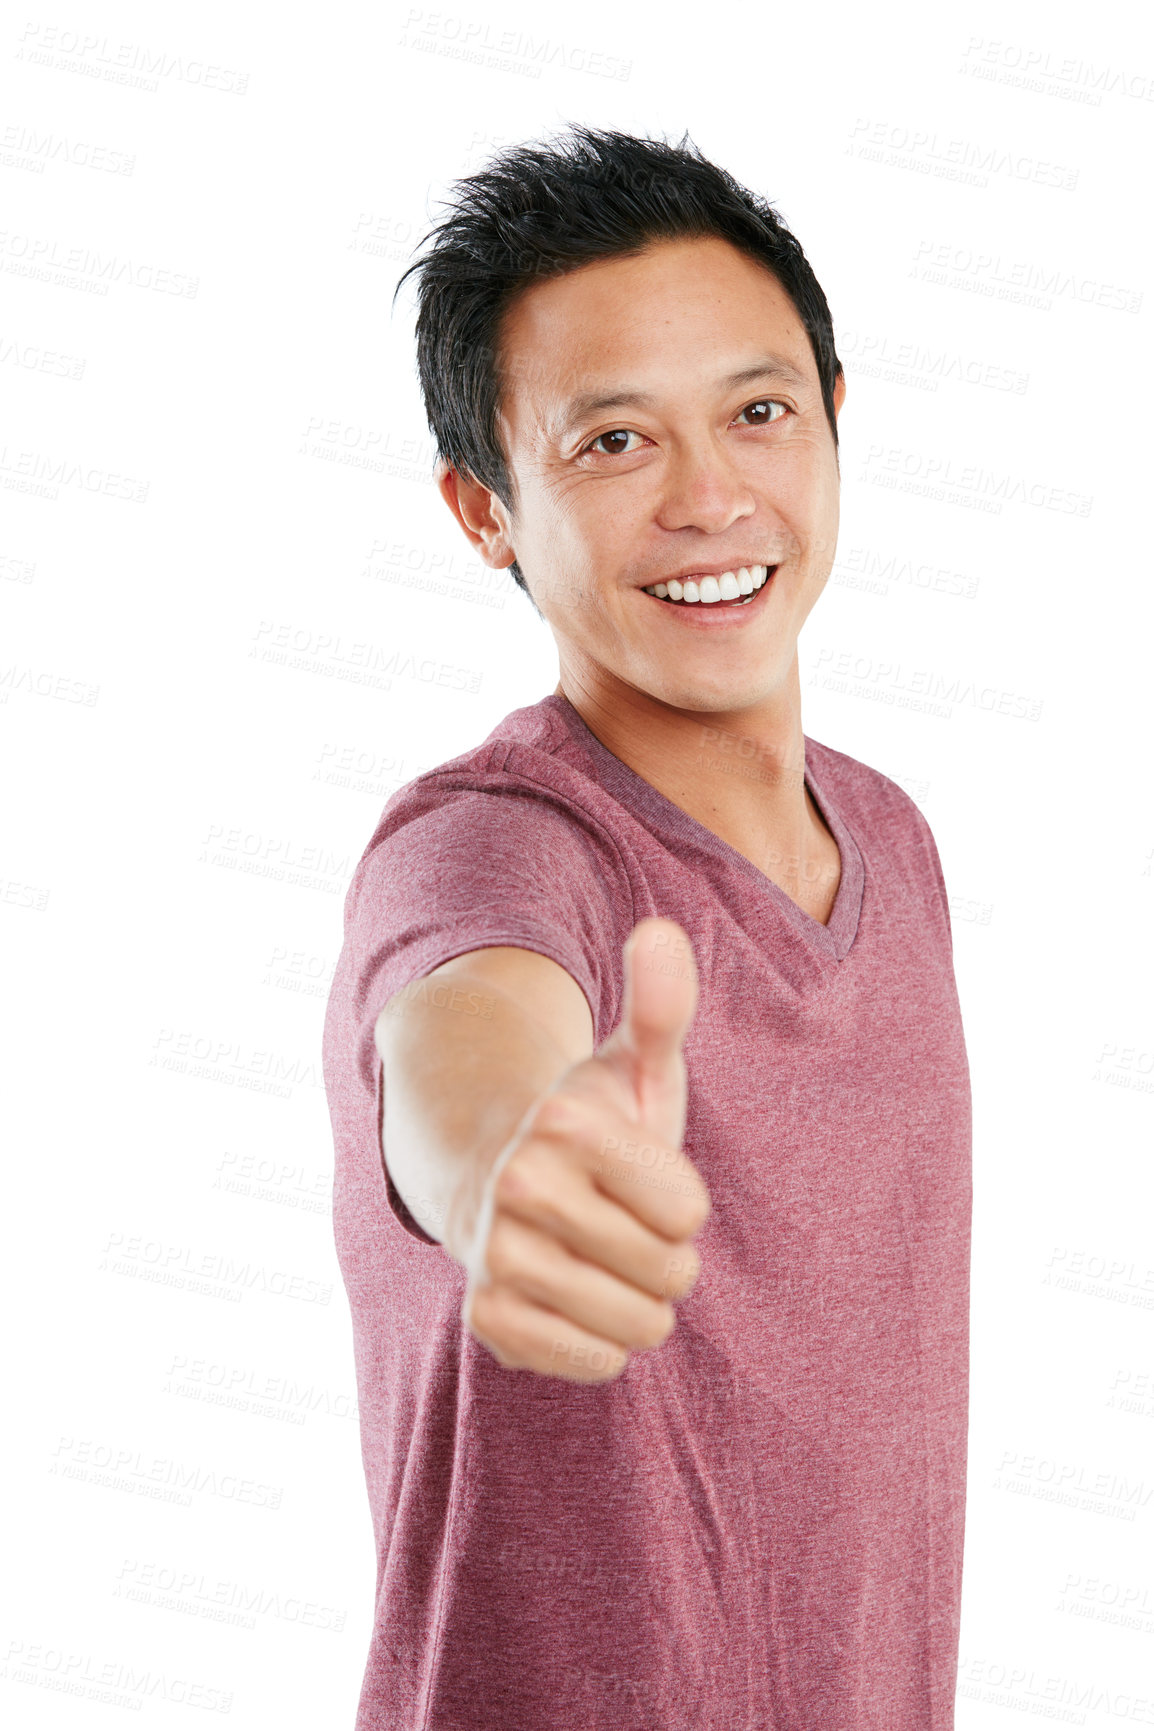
x,y
708,697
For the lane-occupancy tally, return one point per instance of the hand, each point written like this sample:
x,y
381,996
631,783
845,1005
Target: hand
x,y
583,1233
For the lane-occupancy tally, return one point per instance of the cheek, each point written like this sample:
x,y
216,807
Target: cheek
x,y
815,506
559,527
592,517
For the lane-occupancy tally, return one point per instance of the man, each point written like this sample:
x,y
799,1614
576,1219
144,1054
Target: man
x,y
644,1056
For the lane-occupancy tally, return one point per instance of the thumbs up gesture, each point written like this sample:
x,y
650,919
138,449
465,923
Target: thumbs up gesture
x,y
583,1236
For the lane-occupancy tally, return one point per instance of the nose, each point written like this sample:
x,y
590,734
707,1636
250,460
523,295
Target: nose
x,y
704,489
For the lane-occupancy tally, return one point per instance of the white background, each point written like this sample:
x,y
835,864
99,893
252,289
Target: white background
x,y
230,590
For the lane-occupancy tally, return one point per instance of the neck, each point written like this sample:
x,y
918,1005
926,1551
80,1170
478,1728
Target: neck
x,y
739,772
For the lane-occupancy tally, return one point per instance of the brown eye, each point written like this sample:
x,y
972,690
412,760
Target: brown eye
x,y
760,412
607,438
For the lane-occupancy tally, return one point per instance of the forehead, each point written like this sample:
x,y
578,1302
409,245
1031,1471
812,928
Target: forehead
x,y
678,308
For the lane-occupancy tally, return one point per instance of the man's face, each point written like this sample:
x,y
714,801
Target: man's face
x,y
640,456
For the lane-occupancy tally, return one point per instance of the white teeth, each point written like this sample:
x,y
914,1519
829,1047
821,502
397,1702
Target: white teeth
x,y
730,586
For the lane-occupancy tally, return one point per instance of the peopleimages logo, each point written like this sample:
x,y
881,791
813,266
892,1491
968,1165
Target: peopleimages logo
x,y
219,1599
1038,69
1024,281
924,689
964,159
476,40
26,147
37,471
130,63
967,483
113,1682
879,356
51,260
328,654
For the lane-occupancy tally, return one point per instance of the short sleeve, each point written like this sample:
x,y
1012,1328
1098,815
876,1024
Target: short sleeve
x,y
455,869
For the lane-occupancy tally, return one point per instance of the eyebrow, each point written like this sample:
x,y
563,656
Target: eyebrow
x,y
593,402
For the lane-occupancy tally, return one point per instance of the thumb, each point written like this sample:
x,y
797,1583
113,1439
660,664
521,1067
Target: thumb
x,y
659,1004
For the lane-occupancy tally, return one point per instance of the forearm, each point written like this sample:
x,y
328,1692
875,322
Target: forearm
x,y
465,1057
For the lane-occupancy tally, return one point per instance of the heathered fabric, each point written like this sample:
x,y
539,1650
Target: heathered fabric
x,y
759,1525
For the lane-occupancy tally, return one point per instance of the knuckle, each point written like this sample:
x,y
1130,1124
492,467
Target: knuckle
x,y
654,1327
479,1311
529,1188
691,1210
664,1324
517,1181
490,1320
501,1256
556,1118
584,1364
488,1313
575,1352
681,1270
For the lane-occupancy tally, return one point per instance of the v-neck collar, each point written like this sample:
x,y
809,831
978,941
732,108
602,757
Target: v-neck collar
x,y
834,939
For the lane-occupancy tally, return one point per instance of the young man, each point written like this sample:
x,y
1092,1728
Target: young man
x,y
644,1056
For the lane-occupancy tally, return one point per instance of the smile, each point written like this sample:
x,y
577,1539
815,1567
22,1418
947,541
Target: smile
x,y
738,586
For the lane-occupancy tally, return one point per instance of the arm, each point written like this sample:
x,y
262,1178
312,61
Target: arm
x,y
553,1173
466,1051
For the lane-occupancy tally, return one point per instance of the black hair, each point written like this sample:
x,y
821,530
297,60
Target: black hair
x,y
539,211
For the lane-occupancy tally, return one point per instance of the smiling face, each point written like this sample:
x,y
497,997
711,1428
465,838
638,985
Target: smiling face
x,y
663,421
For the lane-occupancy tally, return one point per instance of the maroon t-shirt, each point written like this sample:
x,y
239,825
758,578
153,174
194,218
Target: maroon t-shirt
x,y
758,1526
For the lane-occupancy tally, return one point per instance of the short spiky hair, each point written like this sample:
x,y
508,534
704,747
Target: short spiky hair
x,y
539,211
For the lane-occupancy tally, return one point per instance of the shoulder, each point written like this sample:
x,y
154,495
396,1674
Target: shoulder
x,y
502,846
883,819
521,804
863,793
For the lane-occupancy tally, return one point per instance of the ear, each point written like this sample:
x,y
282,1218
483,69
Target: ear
x,y
838,394
480,514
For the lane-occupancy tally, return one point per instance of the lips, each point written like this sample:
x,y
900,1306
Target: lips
x,y
736,587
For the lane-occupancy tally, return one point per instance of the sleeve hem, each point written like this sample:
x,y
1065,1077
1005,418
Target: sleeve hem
x,y
446,945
